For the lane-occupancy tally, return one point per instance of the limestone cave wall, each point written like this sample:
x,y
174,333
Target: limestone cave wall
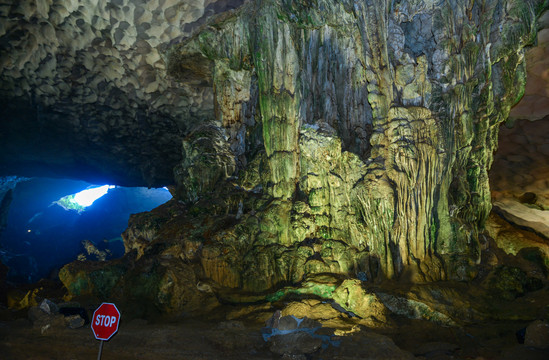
x,y
378,121
84,91
303,137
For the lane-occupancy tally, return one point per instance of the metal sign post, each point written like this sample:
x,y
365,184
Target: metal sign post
x,y
100,350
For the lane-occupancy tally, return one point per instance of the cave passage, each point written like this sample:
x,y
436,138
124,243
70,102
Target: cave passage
x,y
52,222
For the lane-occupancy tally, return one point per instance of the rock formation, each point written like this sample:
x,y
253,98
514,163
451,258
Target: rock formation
x,y
82,80
378,121
307,141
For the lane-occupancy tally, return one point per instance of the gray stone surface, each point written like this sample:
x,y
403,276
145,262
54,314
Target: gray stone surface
x,y
49,307
287,323
74,321
523,215
537,335
84,90
294,343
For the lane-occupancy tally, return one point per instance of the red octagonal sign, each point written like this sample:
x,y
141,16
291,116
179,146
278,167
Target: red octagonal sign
x,y
105,321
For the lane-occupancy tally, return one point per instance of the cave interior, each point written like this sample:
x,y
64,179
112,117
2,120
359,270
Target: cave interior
x,y
279,179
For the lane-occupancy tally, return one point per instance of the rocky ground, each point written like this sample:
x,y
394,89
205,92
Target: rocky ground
x,y
139,339
294,328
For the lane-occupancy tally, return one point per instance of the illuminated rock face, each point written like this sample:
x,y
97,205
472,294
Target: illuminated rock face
x,y
348,137
377,124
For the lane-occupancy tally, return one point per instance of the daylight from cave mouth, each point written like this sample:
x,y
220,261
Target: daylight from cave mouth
x,y
267,179
81,200
54,221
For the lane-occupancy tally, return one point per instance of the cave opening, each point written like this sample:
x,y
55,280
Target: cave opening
x,y
52,222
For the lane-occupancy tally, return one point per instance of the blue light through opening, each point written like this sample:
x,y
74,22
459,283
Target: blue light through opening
x,y
81,200
42,236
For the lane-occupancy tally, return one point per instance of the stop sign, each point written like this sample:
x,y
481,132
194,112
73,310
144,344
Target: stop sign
x,y
105,321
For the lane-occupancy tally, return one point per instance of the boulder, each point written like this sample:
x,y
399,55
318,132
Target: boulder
x,y
294,343
164,283
414,309
309,324
84,278
537,335
287,323
274,320
351,296
74,321
509,282
522,215
49,307
528,198
71,311
518,241
366,345
312,309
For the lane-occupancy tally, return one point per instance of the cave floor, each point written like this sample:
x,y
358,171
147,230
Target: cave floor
x,y
195,339
212,336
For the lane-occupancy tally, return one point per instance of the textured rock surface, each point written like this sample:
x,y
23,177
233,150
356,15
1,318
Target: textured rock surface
x,y
522,215
517,242
294,343
7,184
309,141
351,296
368,346
521,163
537,335
520,191
535,103
147,286
207,160
84,90
414,194
508,283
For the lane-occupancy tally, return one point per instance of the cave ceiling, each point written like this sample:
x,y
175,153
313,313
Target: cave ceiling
x,y
84,91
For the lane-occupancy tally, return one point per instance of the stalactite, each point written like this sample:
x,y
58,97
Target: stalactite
x,y
422,85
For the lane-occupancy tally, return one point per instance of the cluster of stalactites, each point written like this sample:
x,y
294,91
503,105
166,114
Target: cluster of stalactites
x,y
414,90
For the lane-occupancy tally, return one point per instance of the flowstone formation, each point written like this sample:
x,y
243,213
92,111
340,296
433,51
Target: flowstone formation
x,y
350,139
378,123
